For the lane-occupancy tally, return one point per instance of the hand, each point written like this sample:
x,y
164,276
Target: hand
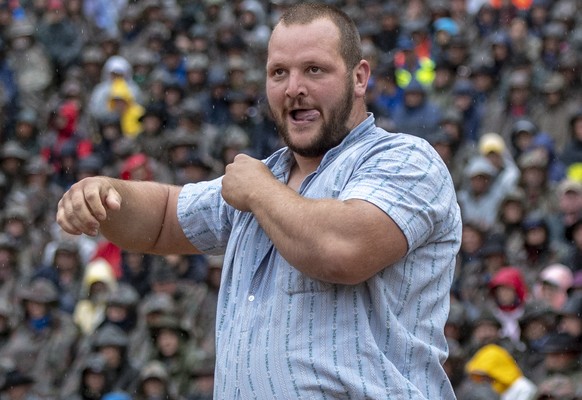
x,y
243,177
86,204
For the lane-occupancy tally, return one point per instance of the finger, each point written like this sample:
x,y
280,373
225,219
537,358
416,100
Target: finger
x,y
112,200
74,216
64,222
94,198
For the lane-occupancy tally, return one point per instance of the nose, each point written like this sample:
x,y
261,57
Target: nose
x,y
295,85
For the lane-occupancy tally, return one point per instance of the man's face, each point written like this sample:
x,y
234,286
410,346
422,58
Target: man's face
x,y
309,88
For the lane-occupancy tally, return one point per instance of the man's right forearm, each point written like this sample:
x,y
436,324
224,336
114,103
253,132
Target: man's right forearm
x,y
146,210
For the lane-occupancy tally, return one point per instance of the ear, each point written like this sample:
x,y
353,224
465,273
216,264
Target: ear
x,y
361,77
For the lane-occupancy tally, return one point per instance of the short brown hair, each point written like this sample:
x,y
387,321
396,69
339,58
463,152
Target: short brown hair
x,y
305,13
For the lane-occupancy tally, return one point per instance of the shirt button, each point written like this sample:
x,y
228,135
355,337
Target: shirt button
x,y
251,297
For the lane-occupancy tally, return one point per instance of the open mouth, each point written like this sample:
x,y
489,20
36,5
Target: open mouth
x,y
302,115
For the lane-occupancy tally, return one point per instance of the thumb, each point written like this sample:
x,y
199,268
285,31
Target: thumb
x,y
113,200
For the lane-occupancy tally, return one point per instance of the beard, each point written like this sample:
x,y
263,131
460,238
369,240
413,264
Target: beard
x,y
332,132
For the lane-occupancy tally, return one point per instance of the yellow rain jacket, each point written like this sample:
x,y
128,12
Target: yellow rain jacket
x,y
508,380
90,312
130,117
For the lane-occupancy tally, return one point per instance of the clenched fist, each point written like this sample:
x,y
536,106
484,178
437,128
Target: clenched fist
x,y
243,178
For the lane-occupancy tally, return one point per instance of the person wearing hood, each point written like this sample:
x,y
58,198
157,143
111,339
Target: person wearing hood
x,y
540,249
572,154
98,283
115,68
92,380
62,39
122,102
553,113
416,115
66,272
33,71
43,344
495,365
253,28
508,294
485,188
556,168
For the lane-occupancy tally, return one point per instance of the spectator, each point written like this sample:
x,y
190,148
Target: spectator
x,y
508,296
569,204
135,269
562,357
19,386
154,383
557,386
552,114
572,153
518,104
539,248
172,347
536,324
116,67
574,235
481,197
66,272
92,380
417,115
535,182
463,97
9,274
509,225
97,285
62,39
496,366
44,343
122,103
112,343
552,286
570,317
31,64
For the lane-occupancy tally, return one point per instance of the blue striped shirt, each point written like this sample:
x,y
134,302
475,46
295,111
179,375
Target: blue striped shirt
x,y
282,335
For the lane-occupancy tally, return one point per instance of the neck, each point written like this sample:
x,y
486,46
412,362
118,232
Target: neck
x,y
303,166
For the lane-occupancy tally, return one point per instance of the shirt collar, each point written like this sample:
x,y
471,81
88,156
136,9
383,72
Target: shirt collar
x,y
282,161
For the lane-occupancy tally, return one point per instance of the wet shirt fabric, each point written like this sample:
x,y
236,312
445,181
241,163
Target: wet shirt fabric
x,y
282,335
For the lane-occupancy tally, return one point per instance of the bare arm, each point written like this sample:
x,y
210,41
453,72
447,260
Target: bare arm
x,y
331,240
137,216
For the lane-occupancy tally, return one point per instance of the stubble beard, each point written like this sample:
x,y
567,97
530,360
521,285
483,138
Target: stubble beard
x,y
333,130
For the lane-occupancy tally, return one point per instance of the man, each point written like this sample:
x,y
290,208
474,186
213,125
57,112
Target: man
x,y
337,269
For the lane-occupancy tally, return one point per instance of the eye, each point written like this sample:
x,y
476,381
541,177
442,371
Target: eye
x,y
314,70
278,72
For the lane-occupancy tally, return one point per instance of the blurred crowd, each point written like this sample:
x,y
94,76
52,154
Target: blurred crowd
x,y
172,90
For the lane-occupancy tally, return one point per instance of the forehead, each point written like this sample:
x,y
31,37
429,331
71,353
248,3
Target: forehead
x,y
317,38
